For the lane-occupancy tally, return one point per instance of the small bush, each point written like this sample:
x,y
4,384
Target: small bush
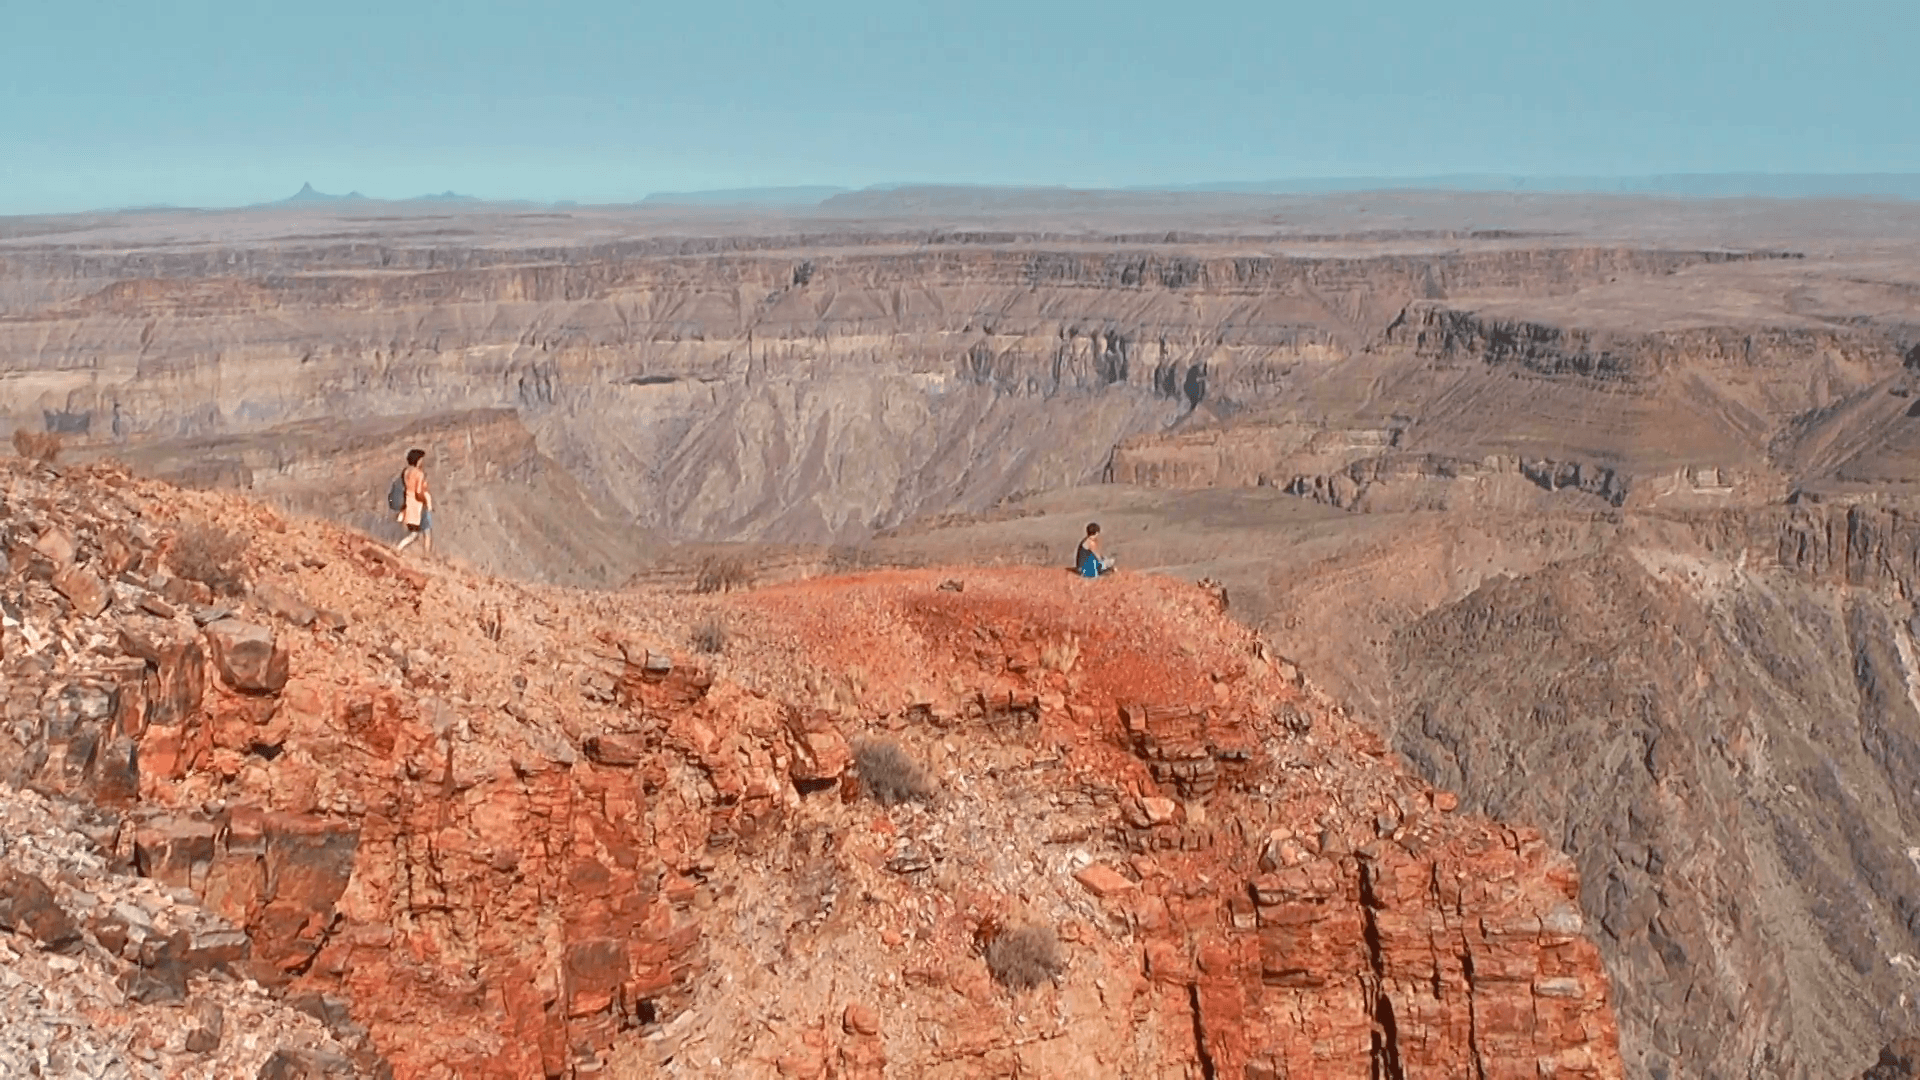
x,y
1060,655
889,775
1025,956
721,573
212,556
34,446
710,636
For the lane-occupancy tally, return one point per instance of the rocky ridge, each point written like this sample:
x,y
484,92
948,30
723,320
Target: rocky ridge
x,y
1748,651
504,508
499,830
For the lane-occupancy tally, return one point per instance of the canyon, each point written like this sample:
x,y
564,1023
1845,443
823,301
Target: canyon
x,y
1597,511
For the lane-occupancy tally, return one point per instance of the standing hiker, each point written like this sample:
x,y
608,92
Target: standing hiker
x,y
1088,560
416,503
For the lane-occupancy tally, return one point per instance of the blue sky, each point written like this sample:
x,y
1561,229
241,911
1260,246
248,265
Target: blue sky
x,y
222,103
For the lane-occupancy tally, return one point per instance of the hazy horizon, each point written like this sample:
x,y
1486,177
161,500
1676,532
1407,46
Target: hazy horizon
x,y
214,104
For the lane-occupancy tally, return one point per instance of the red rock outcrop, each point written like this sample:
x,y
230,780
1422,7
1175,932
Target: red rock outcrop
x,y
507,832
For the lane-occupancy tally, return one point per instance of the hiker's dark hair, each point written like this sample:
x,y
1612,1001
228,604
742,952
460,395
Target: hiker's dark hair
x,y
414,455
1093,528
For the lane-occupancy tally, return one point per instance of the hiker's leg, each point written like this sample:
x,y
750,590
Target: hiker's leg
x,y
426,531
405,540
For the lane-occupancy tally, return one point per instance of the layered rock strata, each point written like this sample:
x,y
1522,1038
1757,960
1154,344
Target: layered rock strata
x,y
733,391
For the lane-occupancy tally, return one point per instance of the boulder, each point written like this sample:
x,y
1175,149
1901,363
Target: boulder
x,y
307,861
157,607
281,602
183,592
1159,811
27,907
289,1064
110,930
175,851
84,589
57,545
1103,881
1898,1061
176,678
860,1019
249,657
114,556
114,774
209,1024
820,752
208,614
619,750
165,984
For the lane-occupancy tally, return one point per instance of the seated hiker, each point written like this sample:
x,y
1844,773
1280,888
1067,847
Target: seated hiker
x,y
1088,559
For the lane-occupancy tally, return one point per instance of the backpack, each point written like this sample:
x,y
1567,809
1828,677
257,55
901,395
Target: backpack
x,y
397,494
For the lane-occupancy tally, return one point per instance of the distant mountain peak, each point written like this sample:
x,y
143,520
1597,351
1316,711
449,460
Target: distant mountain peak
x,y
799,195
307,194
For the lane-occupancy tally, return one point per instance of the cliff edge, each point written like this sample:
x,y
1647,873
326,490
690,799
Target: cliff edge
x,y
932,824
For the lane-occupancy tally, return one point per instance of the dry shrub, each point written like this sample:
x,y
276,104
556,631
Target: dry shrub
x,y
889,774
720,573
1060,655
1294,720
213,556
1025,956
34,446
710,636
847,558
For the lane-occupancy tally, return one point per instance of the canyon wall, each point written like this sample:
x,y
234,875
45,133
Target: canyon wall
x,y
1736,789
813,394
1713,712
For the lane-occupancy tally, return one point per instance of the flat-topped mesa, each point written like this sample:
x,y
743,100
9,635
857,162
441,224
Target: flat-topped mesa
x,y
170,346
991,368
503,831
1633,357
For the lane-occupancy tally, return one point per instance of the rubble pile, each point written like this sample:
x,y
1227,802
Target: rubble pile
x,y
439,825
107,974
